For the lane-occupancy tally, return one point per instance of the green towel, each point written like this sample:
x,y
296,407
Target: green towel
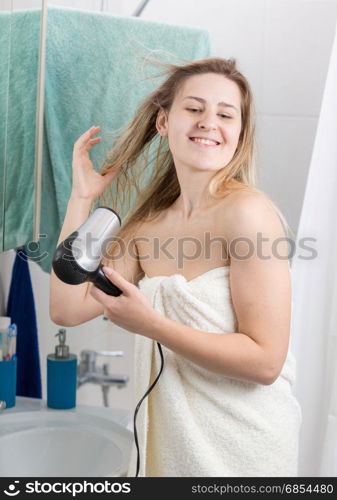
x,y
94,77
19,37
4,61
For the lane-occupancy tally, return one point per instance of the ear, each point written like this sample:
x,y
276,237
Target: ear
x,y
161,122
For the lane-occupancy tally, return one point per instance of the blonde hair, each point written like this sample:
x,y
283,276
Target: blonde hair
x,y
137,146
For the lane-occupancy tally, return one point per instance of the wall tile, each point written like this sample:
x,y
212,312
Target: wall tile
x,y
236,29
94,5
299,37
284,148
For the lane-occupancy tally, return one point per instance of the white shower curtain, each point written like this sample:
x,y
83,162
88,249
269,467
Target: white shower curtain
x,y
314,319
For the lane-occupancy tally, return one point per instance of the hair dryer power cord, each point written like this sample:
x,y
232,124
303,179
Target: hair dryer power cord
x,y
140,402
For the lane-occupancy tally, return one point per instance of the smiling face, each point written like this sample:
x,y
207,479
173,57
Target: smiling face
x,y
204,123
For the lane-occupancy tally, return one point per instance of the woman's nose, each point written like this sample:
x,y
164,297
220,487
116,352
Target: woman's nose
x,y
207,121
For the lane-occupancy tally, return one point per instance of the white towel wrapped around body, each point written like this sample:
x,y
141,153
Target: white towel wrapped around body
x,y
199,423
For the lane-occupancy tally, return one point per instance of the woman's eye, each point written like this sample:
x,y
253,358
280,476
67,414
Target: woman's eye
x,y
196,110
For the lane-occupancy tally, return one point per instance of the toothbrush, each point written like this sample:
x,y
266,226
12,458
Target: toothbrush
x,y
4,345
11,341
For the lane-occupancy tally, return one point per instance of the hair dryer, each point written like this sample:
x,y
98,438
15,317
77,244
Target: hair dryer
x,y
78,258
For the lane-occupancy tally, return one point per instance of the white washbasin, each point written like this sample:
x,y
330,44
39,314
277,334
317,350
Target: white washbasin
x,y
63,443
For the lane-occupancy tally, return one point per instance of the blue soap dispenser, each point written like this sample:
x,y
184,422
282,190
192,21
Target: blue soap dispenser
x,y
61,375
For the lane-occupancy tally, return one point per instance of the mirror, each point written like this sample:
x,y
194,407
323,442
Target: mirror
x,y
275,44
19,49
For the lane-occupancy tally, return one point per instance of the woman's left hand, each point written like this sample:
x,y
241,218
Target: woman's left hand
x,y
131,310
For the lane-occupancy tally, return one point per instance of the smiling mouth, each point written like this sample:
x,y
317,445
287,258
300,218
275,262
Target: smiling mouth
x,y
204,142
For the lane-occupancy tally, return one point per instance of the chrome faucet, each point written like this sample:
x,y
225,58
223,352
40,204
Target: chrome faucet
x,y
88,372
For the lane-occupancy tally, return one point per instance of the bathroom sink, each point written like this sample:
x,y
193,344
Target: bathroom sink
x,y
63,443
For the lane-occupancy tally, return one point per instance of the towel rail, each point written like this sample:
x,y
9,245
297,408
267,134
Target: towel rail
x,y
103,7
39,122
140,8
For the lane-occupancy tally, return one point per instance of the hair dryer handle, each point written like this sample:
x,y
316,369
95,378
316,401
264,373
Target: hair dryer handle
x,y
104,284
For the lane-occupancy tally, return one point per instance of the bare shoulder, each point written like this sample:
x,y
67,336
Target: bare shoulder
x,y
251,211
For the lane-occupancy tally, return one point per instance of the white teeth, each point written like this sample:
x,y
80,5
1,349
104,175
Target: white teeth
x,y
204,141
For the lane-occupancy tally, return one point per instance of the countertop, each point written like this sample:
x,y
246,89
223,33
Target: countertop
x,y
119,415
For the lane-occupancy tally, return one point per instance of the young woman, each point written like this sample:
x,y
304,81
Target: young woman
x,y
204,273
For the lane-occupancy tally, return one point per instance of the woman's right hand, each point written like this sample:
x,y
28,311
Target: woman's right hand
x,y
87,183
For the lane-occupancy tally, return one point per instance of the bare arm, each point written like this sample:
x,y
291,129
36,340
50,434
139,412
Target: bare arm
x,y
71,305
